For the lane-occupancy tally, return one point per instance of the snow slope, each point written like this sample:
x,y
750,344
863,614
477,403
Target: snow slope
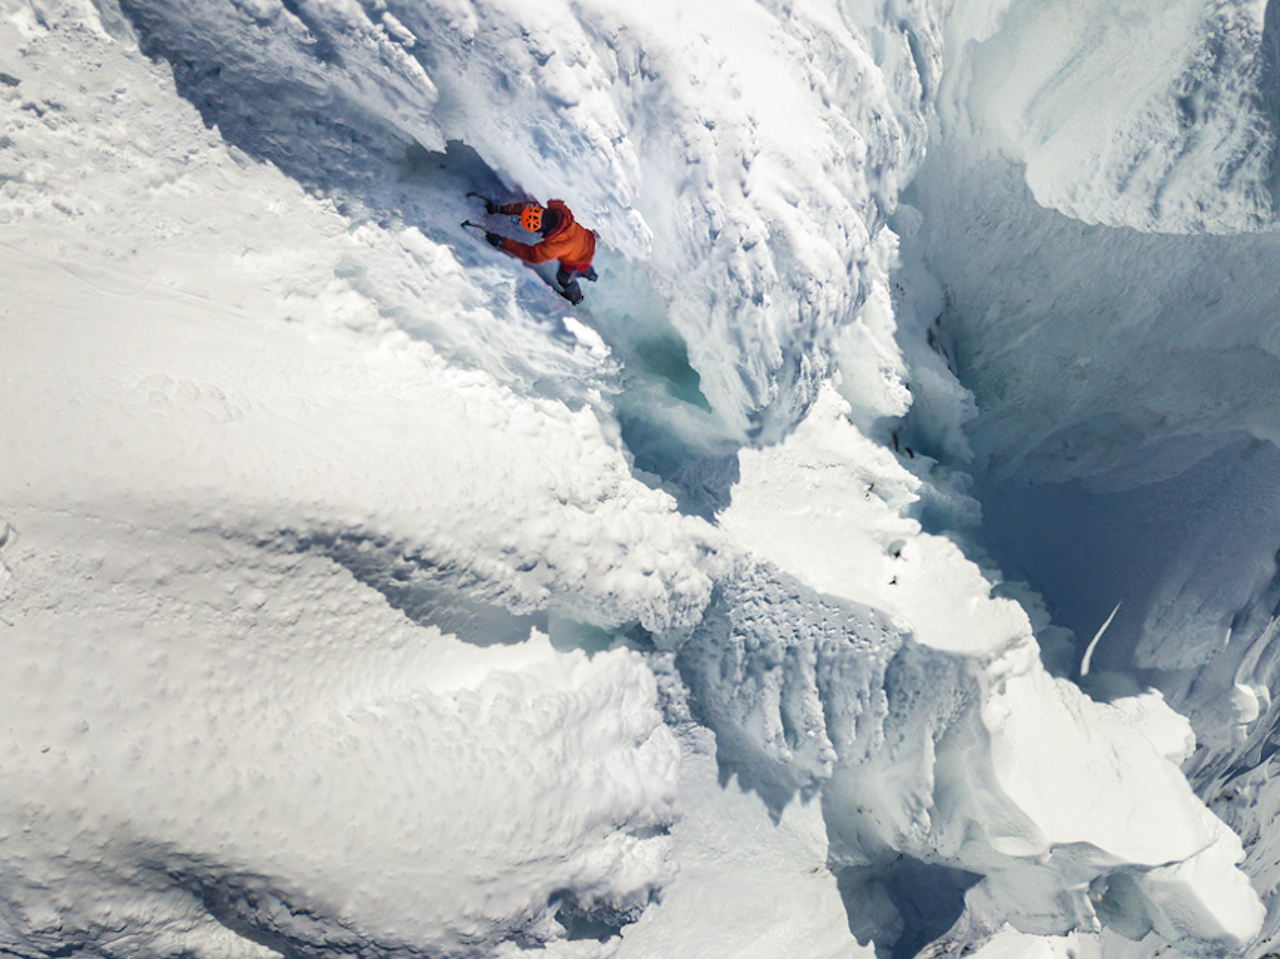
x,y
359,600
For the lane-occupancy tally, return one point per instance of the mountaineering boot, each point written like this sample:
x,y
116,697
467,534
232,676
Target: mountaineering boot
x,y
572,293
569,287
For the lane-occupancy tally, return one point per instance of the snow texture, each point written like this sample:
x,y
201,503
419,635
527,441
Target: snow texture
x,y
356,599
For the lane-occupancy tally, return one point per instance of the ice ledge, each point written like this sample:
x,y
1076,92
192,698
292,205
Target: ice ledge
x,y
984,761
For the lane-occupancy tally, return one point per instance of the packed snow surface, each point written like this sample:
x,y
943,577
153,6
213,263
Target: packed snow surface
x,y
358,597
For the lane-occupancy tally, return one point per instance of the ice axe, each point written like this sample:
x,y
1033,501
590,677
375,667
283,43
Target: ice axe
x,y
492,238
490,205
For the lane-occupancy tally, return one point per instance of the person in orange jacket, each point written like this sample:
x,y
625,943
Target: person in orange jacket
x,y
563,239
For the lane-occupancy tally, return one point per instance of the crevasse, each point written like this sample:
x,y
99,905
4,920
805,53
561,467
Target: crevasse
x,y
359,600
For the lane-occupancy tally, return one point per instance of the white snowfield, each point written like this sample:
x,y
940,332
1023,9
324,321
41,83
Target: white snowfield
x,y
358,597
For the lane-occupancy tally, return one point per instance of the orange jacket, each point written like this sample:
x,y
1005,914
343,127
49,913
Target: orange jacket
x,y
570,243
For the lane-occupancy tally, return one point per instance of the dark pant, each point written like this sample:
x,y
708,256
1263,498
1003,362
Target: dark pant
x,y
568,281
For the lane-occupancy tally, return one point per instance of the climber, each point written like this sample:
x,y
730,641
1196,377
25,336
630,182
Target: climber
x,y
563,239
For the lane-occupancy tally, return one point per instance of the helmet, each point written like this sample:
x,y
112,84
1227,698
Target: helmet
x,y
531,217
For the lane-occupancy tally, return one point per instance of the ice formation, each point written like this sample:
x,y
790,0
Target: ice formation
x,y
357,598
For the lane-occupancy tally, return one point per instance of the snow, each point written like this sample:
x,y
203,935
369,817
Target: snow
x,y
357,597
1125,374
1005,786
158,762
1135,114
672,132
748,885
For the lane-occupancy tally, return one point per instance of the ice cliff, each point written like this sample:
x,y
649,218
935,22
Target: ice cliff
x,y
357,597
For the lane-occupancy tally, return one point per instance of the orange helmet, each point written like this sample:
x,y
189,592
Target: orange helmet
x,y
531,218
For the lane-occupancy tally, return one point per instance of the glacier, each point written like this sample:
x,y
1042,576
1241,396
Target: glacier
x,y
881,562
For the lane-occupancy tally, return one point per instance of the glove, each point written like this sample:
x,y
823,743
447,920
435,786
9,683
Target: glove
x,y
490,207
494,239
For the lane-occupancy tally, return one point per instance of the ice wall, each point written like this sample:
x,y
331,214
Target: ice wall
x,y
1154,116
746,154
1103,232
347,616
